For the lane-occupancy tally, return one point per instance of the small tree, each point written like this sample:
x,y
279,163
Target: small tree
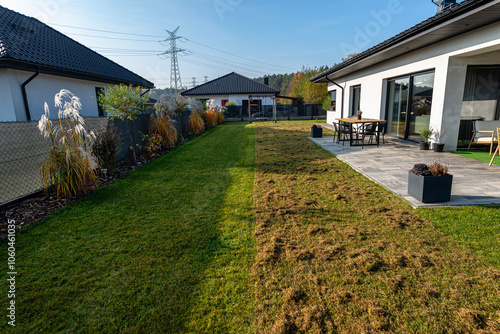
x,y
125,103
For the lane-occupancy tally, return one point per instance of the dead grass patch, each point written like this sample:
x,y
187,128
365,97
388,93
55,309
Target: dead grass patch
x,y
338,254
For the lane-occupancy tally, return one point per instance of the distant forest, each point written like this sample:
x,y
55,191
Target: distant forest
x,y
299,85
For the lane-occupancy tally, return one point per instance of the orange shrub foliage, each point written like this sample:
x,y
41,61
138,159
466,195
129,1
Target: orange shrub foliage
x,y
195,123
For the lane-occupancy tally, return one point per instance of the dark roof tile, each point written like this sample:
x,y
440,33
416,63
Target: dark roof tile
x,y
232,83
27,41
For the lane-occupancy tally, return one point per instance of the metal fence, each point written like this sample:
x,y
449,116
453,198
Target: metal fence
x,y
23,148
293,111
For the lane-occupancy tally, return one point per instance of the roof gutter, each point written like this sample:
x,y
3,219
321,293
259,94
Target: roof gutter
x,y
25,95
342,105
441,17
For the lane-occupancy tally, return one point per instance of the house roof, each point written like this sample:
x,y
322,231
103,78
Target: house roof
x,y
28,44
452,21
232,83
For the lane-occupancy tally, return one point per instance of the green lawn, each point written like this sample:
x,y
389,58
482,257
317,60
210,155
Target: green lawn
x,y
167,249
256,229
478,154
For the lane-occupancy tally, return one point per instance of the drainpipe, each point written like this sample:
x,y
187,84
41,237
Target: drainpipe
x,y
342,106
146,92
25,95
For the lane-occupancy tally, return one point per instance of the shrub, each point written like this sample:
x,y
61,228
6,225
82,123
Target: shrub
x,y
162,125
434,169
152,145
69,165
195,123
105,148
231,104
210,119
214,114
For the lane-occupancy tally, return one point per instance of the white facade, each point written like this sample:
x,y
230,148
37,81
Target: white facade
x,y
448,60
40,90
238,99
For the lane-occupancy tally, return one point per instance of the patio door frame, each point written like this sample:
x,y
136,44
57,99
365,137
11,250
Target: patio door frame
x,y
411,78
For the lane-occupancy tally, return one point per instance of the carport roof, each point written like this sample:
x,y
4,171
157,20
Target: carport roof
x,y
454,20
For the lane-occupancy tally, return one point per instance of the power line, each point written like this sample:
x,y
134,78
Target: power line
x,y
231,54
116,38
108,31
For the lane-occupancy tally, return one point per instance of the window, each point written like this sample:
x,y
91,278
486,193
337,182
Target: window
x,y
100,110
223,102
356,99
333,106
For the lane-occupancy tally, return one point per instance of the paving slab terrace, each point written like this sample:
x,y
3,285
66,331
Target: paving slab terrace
x,y
474,182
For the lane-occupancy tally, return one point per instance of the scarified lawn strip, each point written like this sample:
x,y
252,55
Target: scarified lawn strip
x,y
338,253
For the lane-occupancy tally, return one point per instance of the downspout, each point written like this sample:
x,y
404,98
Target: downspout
x,y
342,106
146,92
25,95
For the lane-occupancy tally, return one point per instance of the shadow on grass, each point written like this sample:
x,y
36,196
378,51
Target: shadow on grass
x,y
138,255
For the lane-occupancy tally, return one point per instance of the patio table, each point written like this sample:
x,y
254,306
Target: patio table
x,y
354,120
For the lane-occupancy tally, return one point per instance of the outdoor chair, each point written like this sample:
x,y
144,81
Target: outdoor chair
x,y
382,129
497,151
367,130
484,132
342,130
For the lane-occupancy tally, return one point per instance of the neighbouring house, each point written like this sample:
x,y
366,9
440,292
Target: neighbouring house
x,y
36,62
443,73
234,87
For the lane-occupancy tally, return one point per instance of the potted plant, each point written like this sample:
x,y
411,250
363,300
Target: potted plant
x,y
425,133
439,147
430,183
359,113
316,131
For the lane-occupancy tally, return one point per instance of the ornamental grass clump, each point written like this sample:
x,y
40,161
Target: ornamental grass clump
x,y
162,126
214,115
195,123
69,166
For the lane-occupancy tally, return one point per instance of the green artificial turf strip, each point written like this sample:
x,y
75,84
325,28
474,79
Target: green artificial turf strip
x,y
479,155
475,227
167,249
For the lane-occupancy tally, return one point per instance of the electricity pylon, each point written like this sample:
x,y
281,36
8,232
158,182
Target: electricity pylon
x,y
175,73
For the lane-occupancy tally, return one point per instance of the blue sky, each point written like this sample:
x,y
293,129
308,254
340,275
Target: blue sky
x,y
252,38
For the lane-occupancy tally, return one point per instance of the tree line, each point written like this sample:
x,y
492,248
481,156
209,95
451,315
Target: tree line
x,y
298,85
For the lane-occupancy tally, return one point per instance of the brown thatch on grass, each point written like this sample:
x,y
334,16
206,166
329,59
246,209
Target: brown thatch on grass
x,y
336,253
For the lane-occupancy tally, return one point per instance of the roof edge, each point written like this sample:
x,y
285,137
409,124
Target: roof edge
x,y
439,18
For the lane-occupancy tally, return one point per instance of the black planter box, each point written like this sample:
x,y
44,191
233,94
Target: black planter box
x,y
317,132
424,145
438,147
430,189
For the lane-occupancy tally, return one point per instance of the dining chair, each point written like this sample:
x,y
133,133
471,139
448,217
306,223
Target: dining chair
x,y
497,151
342,131
367,130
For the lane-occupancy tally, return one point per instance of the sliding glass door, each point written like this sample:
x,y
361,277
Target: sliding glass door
x,y
409,104
398,101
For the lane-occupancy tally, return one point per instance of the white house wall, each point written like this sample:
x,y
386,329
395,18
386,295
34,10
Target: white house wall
x,y
449,60
43,89
7,111
238,99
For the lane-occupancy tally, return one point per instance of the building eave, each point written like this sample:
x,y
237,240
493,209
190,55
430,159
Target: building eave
x,y
456,20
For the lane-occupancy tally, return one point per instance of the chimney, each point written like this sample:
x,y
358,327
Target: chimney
x,y
266,81
442,4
